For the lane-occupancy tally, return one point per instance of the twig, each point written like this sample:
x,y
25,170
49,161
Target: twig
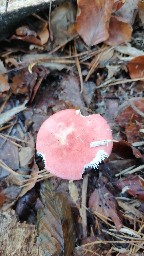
x,y
63,44
120,82
124,171
78,68
5,138
2,164
135,169
83,205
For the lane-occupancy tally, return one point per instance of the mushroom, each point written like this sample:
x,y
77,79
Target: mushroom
x,y
70,143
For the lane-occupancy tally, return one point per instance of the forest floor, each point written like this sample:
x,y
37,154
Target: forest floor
x,y
92,60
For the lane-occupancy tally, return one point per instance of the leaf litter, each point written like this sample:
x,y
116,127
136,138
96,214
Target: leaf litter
x,y
82,55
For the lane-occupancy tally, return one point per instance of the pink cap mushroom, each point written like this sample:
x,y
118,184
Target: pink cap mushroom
x,y
70,142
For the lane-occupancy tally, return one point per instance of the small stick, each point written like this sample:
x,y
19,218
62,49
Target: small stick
x,y
83,206
98,143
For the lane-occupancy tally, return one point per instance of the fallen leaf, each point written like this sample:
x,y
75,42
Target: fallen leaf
x,y
129,119
2,68
9,155
129,10
103,202
133,134
26,155
141,11
23,82
4,85
118,4
25,31
55,224
69,92
133,185
26,34
93,20
8,115
43,35
9,195
136,67
125,150
126,113
62,19
119,31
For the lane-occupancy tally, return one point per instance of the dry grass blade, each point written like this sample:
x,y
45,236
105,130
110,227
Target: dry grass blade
x,y
6,138
42,175
7,168
13,138
107,83
137,169
124,171
78,68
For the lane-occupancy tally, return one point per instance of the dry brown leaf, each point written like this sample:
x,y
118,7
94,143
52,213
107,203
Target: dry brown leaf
x,y
136,67
23,82
125,150
43,35
126,113
133,185
62,18
141,11
131,120
119,31
118,4
133,134
93,20
4,85
9,155
24,33
55,224
26,155
129,10
103,202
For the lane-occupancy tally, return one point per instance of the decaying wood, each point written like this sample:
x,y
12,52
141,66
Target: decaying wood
x,y
14,11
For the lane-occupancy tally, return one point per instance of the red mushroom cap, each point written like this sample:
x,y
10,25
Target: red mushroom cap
x,y
68,142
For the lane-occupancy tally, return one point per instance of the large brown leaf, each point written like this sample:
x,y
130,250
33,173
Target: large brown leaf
x,y
119,31
103,202
93,20
55,224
